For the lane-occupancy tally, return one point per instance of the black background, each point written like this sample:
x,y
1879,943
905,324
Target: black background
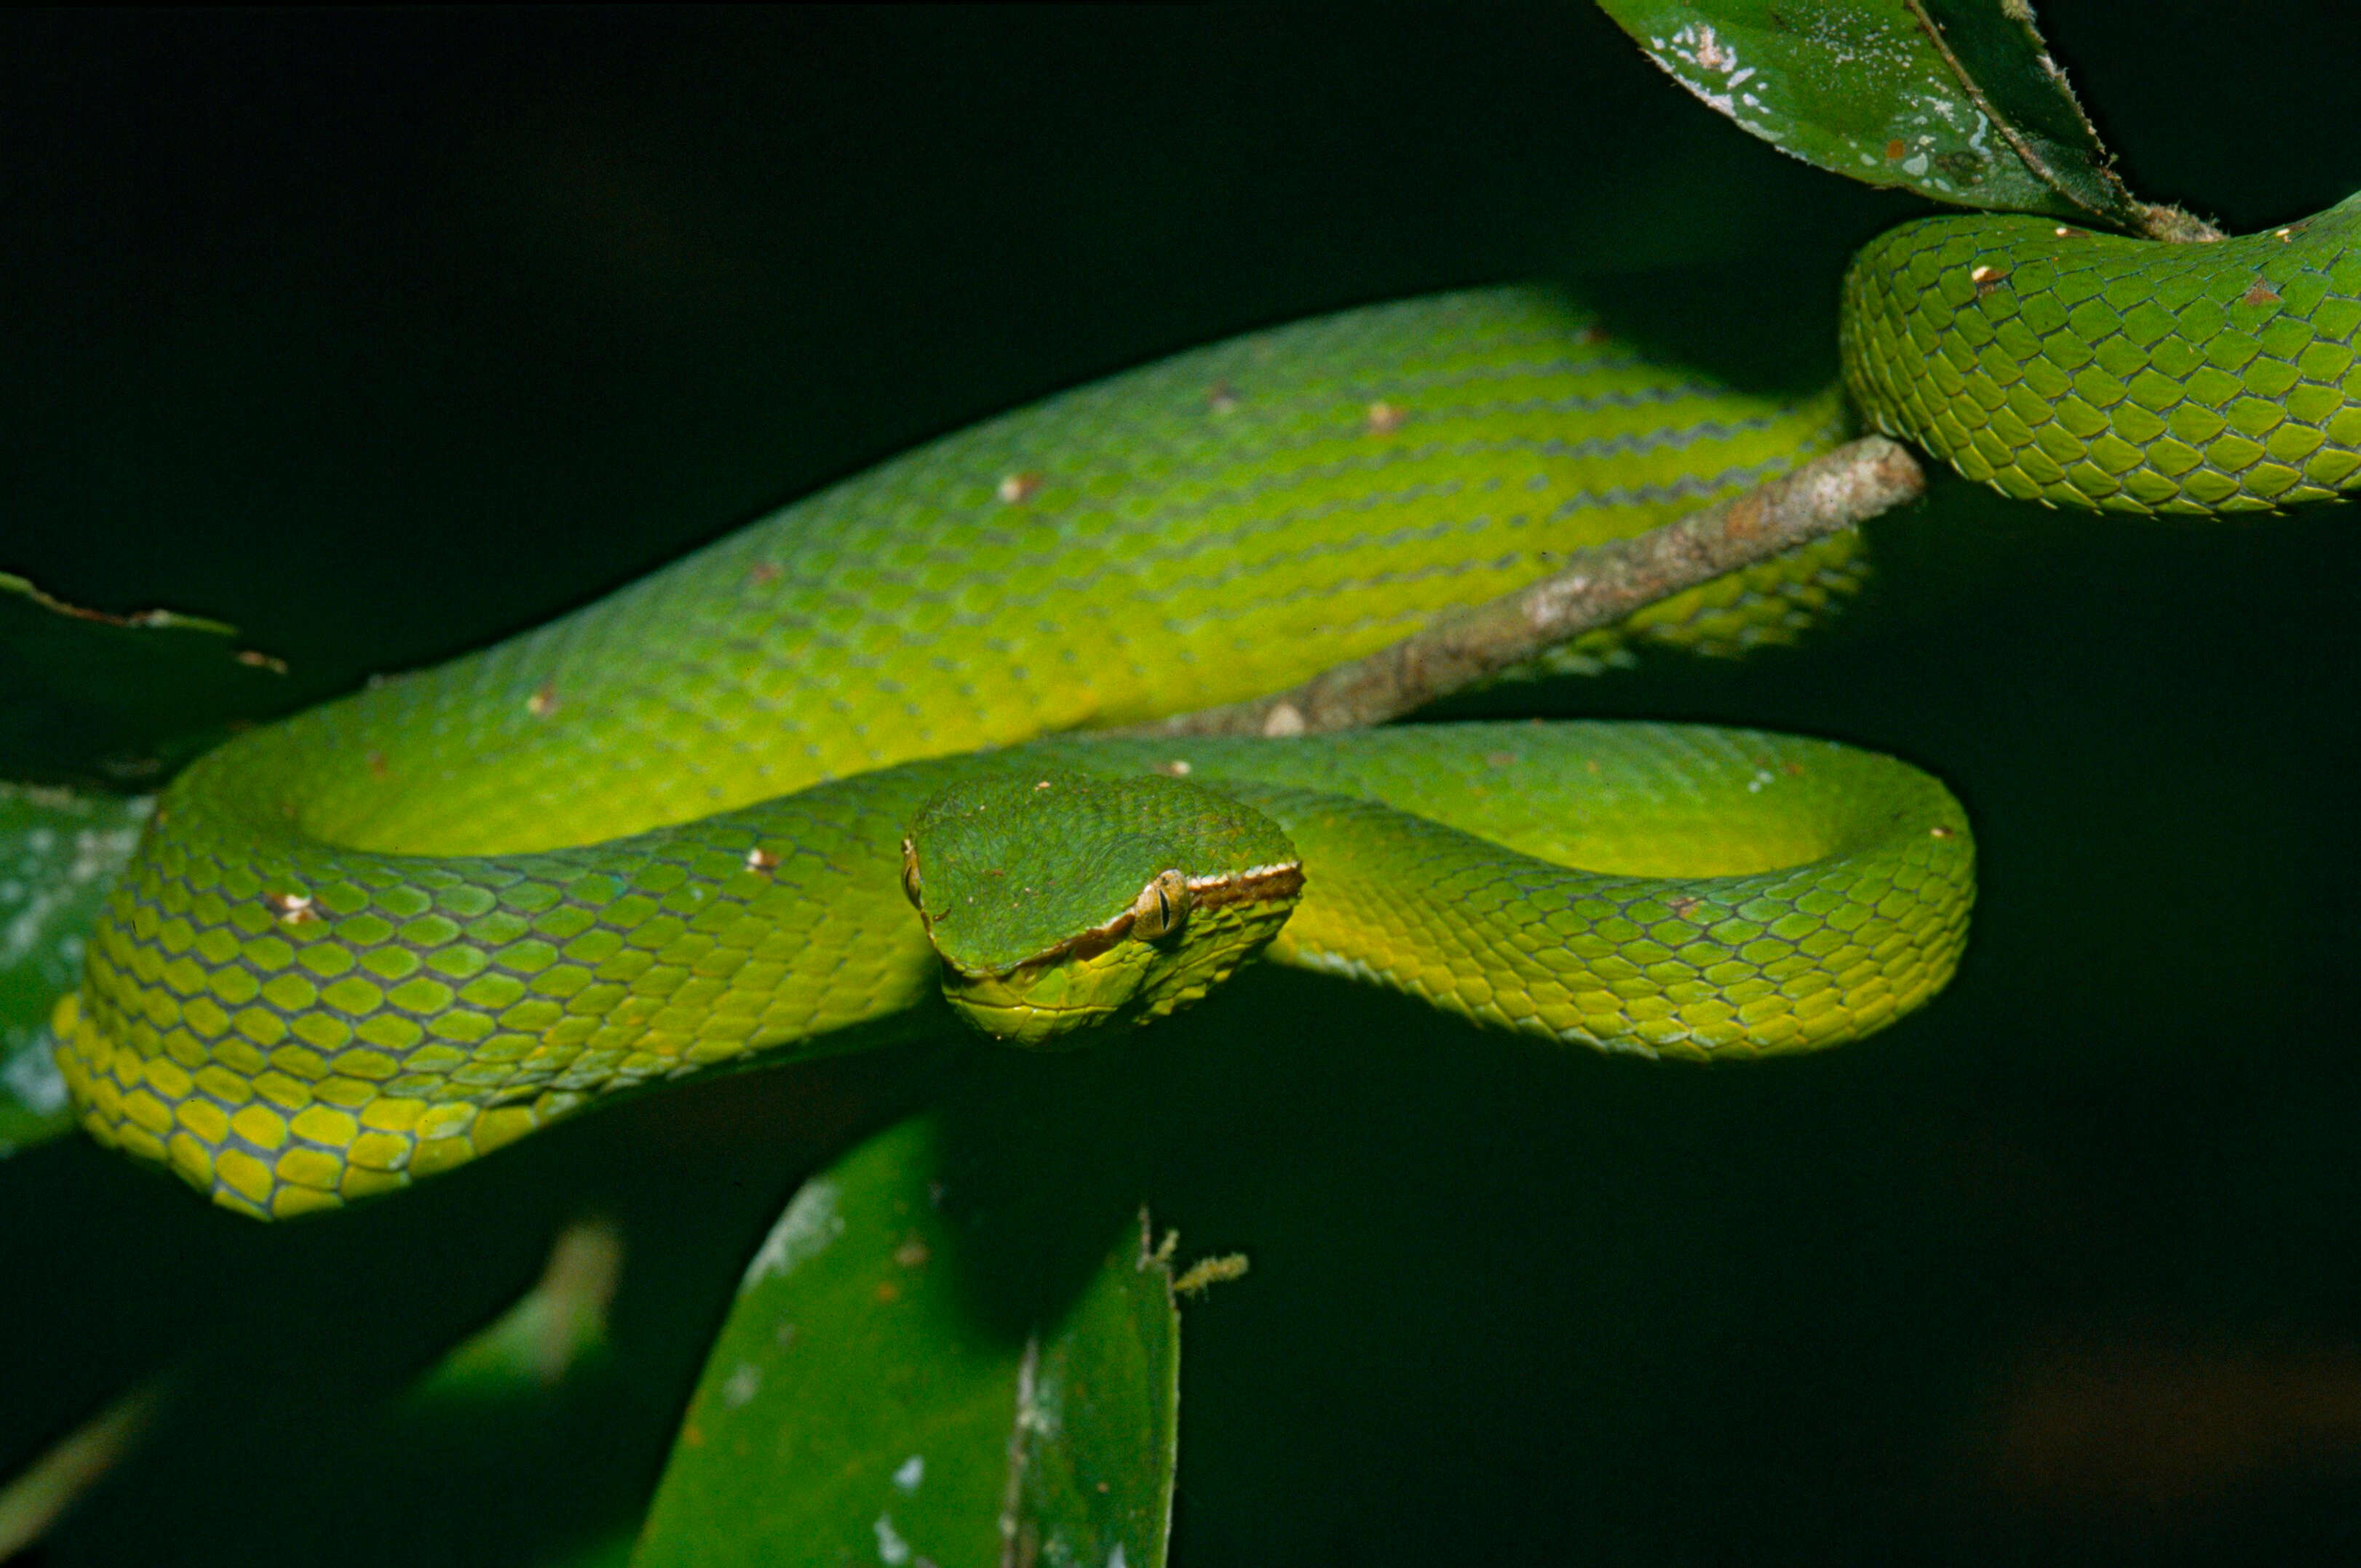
x,y
384,334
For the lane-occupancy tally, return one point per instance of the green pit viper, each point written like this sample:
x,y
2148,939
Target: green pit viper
x,y
689,823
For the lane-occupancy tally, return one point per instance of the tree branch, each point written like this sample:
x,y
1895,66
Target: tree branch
x,y
1600,586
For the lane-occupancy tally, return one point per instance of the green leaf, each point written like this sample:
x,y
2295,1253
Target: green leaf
x,y
553,1330
59,851
119,698
605,1551
1958,100
864,1404
37,1496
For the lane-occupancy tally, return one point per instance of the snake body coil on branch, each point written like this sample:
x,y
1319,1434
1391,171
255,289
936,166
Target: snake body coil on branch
x,y
688,823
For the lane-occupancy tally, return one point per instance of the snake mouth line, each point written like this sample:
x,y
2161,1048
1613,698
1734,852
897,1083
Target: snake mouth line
x,y
1038,1009
1255,884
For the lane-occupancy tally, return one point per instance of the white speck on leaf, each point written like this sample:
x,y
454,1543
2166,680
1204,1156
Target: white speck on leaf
x,y
744,1382
32,1076
891,1550
912,1472
803,1233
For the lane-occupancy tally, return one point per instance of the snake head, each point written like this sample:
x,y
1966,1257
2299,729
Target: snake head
x,y
1059,901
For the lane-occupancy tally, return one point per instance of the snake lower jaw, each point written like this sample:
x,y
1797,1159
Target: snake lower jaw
x,y
1065,999
1058,1003
999,1012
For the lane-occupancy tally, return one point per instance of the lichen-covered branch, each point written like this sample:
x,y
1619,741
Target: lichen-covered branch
x,y
1600,586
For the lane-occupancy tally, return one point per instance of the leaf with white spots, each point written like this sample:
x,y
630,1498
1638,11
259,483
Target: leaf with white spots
x,y
804,1231
1958,100
865,1403
60,852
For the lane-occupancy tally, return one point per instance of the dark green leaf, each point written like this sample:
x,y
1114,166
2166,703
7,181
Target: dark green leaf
x,y
1098,1410
119,698
860,1406
551,1331
43,1491
1958,100
605,1551
59,853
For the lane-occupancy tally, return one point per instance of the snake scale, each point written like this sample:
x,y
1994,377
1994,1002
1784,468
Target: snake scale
x,y
688,822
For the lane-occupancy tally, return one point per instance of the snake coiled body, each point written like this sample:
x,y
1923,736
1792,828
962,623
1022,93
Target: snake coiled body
x,y
2091,370
660,833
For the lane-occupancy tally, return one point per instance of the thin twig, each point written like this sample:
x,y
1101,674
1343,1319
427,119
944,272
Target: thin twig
x,y
1600,586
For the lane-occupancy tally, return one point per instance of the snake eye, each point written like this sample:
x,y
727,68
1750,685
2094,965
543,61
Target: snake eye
x,y
912,888
1160,907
